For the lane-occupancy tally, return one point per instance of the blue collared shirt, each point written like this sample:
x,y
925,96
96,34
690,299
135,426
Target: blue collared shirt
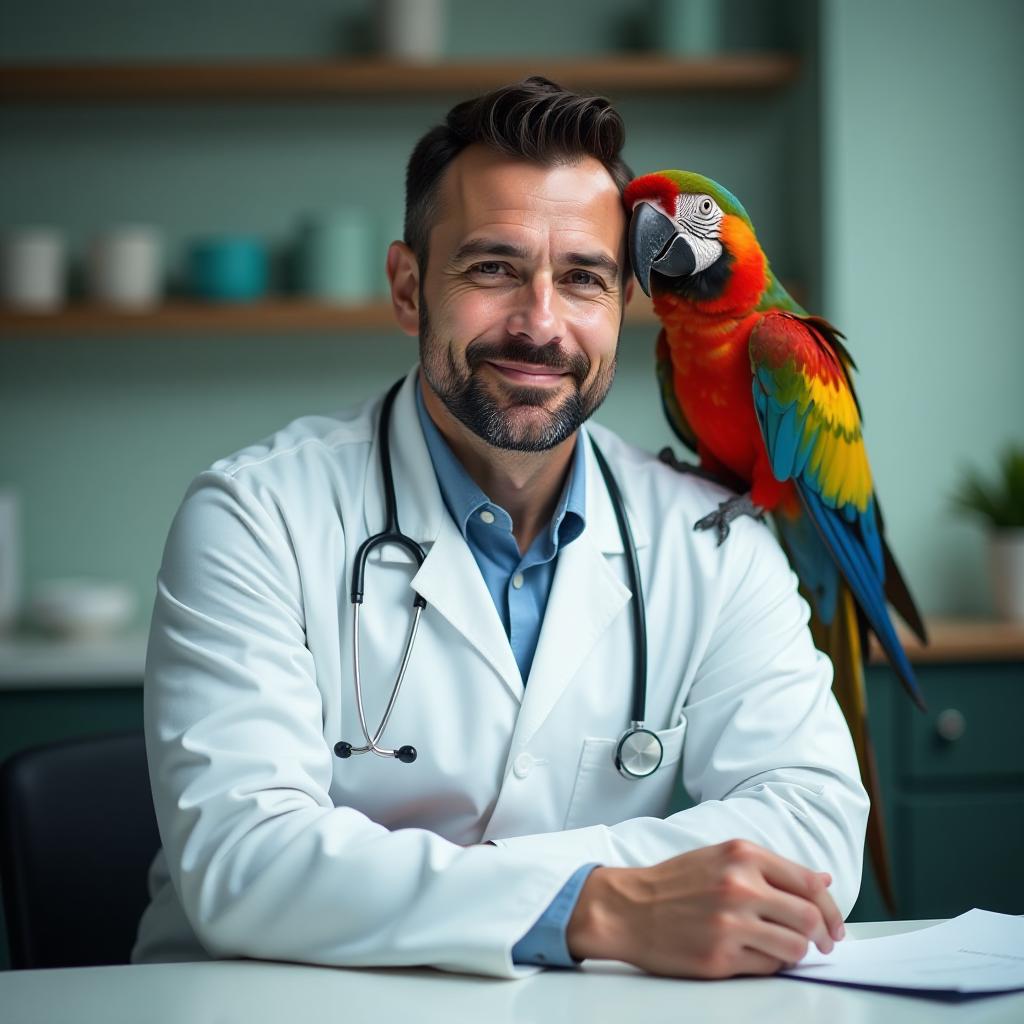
x,y
519,585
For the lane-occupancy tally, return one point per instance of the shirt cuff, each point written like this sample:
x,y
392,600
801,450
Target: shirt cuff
x,y
544,944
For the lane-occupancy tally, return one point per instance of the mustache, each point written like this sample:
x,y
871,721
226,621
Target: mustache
x,y
551,357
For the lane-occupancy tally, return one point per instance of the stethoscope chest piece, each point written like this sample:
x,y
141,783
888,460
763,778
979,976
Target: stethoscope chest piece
x,y
638,753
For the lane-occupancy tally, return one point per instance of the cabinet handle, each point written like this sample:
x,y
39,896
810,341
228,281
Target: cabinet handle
x,y
950,725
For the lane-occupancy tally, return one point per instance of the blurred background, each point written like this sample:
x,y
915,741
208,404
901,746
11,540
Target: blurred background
x,y
194,255
874,158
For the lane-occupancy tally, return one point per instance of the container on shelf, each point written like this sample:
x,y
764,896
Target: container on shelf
x,y
81,607
338,258
411,30
1006,559
686,28
124,266
33,269
228,268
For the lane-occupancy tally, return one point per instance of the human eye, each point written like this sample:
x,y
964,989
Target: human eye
x,y
490,269
585,280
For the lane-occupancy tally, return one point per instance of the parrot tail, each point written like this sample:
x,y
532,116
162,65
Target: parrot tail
x,y
843,640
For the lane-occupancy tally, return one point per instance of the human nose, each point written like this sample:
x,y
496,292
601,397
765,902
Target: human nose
x,y
536,315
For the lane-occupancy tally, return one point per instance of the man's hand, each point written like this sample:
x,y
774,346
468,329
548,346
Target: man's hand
x,y
724,910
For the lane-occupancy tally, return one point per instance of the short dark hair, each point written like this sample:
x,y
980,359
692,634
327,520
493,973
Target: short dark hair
x,y
534,119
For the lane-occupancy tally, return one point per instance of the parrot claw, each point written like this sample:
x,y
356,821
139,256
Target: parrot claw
x,y
668,456
726,513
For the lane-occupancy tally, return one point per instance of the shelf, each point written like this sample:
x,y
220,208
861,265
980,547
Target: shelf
x,y
961,640
264,317
29,83
34,661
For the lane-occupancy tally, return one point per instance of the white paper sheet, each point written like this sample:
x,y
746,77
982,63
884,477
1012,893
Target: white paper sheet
x,y
976,952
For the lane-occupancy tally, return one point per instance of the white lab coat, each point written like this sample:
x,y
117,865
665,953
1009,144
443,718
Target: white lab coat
x,y
275,848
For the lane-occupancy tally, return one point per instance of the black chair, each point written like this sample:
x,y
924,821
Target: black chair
x,y
77,835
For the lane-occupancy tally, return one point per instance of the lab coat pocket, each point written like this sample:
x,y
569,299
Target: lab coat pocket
x,y
601,796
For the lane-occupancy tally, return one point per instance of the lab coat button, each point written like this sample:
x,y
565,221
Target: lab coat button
x,y
522,765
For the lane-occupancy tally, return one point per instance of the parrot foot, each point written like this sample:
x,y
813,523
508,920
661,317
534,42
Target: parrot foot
x,y
668,456
726,513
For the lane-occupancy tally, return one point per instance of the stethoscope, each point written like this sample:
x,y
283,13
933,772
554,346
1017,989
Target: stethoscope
x,y
638,752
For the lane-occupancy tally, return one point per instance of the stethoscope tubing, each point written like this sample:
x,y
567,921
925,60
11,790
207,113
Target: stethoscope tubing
x,y
638,752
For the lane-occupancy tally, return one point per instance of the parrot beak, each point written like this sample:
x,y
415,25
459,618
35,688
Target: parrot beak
x,y
656,244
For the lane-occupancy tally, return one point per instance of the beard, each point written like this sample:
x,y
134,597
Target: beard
x,y
468,397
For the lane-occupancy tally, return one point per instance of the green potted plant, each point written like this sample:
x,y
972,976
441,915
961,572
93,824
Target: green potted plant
x,y
1000,504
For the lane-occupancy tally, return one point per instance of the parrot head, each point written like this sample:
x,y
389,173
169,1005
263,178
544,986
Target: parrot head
x,y
691,237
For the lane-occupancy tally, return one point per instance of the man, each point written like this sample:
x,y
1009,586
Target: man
x,y
278,845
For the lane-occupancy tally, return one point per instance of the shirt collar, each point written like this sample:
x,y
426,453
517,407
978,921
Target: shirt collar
x,y
463,497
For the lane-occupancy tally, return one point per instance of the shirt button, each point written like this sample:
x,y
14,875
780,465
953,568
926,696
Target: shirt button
x,y
517,580
522,765
487,516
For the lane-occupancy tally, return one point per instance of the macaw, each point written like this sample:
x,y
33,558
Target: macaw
x,y
762,393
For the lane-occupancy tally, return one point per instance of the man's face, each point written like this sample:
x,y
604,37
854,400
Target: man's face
x,y
521,304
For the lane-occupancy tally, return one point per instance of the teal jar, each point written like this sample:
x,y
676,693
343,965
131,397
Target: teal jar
x,y
228,268
339,258
686,28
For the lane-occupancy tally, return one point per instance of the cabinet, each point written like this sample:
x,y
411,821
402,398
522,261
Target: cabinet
x,y
953,784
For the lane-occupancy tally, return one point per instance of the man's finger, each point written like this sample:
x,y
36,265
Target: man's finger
x,y
753,961
786,945
801,881
797,915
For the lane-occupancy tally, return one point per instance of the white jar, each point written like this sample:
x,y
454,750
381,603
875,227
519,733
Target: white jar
x,y
1006,551
33,269
124,266
411,30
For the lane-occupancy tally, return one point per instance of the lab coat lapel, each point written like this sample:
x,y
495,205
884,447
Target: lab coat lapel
x,y
449,580
587,595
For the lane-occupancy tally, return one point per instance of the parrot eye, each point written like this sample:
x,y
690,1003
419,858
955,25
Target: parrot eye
x,y
705,205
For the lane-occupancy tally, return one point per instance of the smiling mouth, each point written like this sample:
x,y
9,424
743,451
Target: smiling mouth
x,y
535,375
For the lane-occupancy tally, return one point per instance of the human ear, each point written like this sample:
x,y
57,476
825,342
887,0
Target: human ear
x,y
404,278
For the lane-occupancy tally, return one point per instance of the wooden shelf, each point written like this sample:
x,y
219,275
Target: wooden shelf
x,y
34,83
961,640
185,316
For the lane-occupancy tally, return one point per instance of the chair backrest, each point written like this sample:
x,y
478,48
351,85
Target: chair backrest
x,y
77,835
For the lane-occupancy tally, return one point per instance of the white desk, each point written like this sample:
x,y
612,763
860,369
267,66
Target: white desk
x,y
252,992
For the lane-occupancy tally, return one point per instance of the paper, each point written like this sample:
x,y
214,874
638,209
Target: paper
x,y
976,952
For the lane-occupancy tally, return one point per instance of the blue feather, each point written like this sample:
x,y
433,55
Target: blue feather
x,y
858,566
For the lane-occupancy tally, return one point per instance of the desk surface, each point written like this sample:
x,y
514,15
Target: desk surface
x,y
251,992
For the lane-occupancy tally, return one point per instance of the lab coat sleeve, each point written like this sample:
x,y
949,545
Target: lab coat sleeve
x,y
767,752
264,864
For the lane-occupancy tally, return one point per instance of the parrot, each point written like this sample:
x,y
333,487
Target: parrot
x,y
762,393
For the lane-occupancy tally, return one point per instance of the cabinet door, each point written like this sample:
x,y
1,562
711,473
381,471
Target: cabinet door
x,y
972,729
961,851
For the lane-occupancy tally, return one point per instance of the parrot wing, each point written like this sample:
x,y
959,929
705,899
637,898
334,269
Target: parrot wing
x,y
673,410
811,423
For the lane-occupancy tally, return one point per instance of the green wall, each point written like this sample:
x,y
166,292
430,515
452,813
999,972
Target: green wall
x,y
102,435
923,143
852,186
